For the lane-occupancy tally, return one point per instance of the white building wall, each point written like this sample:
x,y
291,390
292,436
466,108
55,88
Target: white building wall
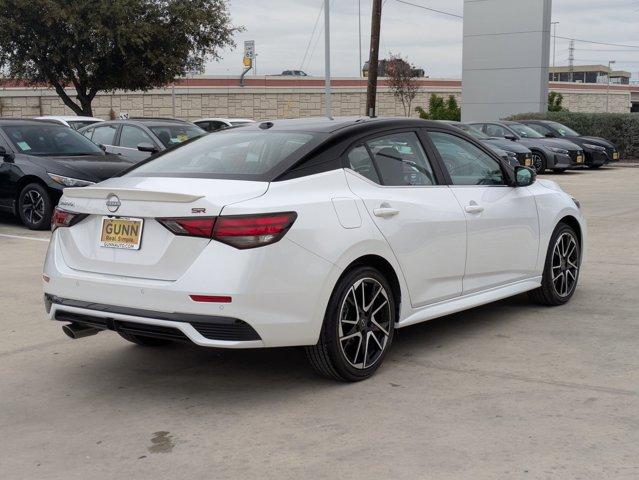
x,y
505,58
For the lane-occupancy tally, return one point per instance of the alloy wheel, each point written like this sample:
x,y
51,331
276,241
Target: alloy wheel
x,y
565,264
33,206
538,162
364,323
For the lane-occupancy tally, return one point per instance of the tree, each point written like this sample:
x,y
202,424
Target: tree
x,y
554,102
438,109
105,45
402,81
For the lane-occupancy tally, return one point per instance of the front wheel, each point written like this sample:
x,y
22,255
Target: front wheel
x,y
35,207
539,162
561,270
358,327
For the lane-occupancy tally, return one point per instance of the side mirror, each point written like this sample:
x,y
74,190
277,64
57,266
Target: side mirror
x,y
147,147
524,176
102,147
510,137
550,135
6,156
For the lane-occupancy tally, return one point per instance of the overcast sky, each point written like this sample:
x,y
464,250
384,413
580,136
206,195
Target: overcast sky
x,y
282,30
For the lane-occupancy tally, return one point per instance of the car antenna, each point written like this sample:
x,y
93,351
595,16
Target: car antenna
x,y
266,125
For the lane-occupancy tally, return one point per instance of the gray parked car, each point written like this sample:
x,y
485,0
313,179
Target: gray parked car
x,y
138,138
512,152
547,153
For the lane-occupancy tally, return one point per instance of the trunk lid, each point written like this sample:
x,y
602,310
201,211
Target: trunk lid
x,y
162,255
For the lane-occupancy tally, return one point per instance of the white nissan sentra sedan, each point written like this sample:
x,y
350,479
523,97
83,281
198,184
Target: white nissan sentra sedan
x,y
322,233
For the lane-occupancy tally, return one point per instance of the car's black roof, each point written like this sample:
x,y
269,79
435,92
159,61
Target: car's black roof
x,y
332,125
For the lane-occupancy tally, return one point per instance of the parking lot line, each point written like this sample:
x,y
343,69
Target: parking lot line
x,y
24,238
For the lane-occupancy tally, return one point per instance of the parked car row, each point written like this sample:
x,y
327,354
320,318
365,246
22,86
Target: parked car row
x,y
547,145
42,156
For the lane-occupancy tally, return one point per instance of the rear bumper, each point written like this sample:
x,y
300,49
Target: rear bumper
x,y
280,292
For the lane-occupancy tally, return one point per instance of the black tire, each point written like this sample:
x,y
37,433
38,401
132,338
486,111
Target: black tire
x,y
552,291
336,357
35,207
594,167
145,341
540,164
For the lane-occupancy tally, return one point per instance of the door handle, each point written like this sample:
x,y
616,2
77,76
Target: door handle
x,y
474,208
385,212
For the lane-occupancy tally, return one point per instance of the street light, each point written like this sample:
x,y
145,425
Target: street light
x,y
610,64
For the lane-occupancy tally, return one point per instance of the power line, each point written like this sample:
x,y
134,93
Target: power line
x,y
310,40
597,43
430,9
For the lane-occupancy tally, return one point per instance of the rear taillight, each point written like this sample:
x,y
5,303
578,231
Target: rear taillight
x,y
191,227
63,218
239,231
250,231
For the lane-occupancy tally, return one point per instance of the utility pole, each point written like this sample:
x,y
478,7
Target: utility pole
x,y
373,60
571,60
554,48
359,28
610,63
327,58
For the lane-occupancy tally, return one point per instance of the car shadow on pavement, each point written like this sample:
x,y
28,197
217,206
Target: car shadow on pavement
x,y
206,375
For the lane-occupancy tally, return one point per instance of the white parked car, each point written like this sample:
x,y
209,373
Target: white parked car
x,y
215,124
328,234
73,121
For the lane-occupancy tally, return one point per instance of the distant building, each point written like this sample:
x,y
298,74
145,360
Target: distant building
x,y
589,74
382,69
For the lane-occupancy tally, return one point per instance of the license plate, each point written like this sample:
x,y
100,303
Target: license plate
x,y
121,232
528,162
615,156
580,159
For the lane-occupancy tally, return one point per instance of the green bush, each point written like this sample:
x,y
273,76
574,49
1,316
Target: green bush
x,y
440,109
622,129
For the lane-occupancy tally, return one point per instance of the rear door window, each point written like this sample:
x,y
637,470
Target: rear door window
x,y
104,135
401,160
361,162
131,137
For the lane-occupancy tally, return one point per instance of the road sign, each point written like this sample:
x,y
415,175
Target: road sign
x,y
249,49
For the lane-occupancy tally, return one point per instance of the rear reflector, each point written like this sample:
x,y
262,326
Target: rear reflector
x,y
192,227
63,218
250,231
210,298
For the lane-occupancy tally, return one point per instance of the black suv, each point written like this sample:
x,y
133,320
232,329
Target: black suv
x,y
138,138
38,159
599,151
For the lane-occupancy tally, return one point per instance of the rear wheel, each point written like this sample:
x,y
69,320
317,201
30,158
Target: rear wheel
x,y
35,207
358,327
561,270
145,341
539,162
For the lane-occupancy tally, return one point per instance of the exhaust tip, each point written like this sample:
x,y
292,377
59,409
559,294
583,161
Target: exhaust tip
x,y
75,331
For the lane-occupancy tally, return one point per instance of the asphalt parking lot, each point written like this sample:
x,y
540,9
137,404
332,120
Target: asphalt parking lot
x,y
508,390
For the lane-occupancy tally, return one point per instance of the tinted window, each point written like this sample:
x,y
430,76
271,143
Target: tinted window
x,y
361,162
131,137
87,133
229,154
524,131
104,134
493,130
171,135
539,128
564,130
401,160
472,131
49,140
466,163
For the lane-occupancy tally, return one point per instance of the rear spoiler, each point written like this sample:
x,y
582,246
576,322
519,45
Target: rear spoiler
x,y
130,194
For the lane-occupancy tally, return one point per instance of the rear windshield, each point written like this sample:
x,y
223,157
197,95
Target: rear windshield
x,y
238,154
50,140
171,135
